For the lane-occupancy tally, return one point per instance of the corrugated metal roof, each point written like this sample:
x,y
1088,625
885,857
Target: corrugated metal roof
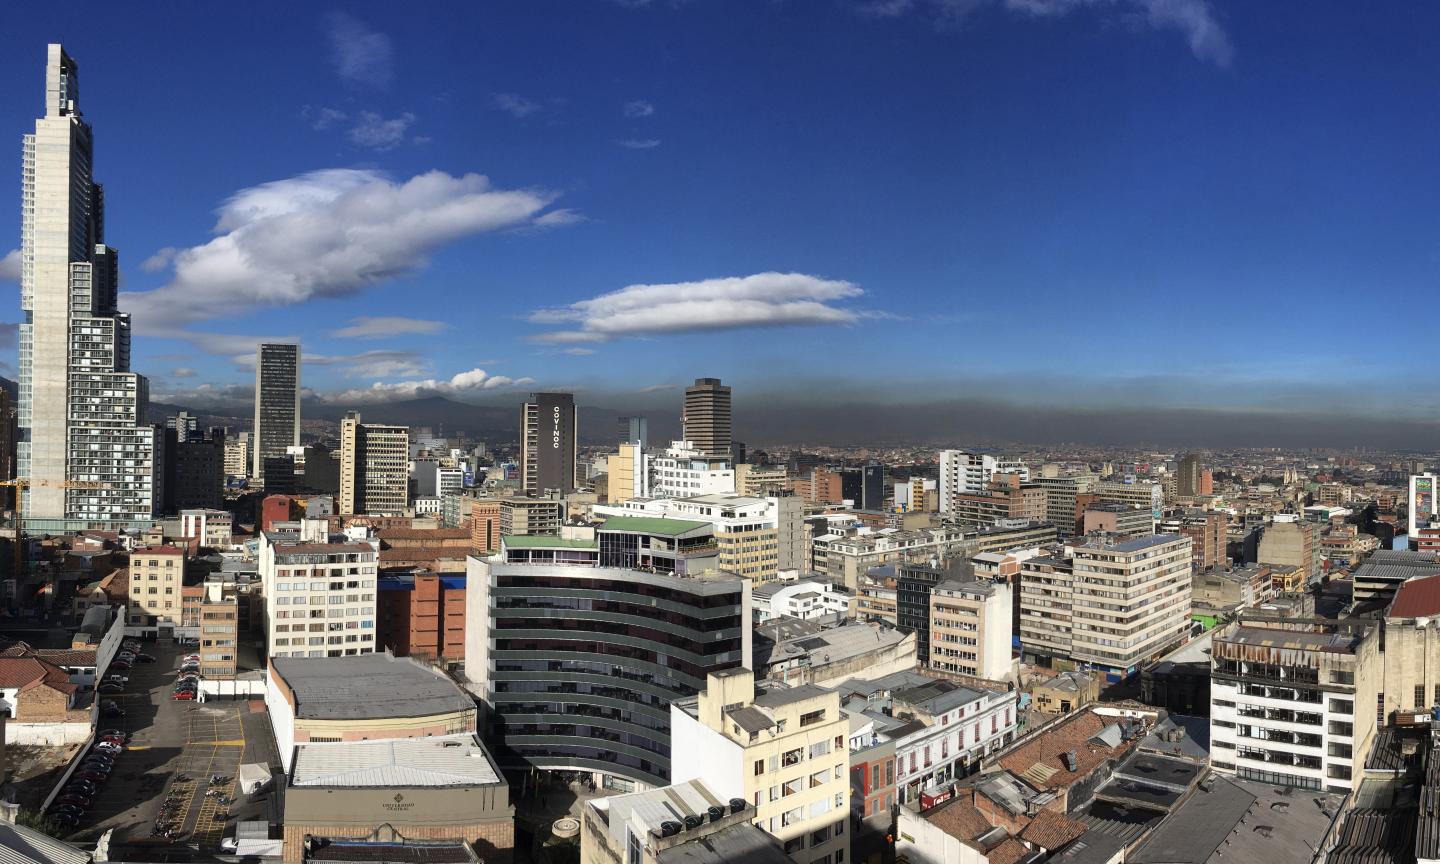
x,y
454,761
20,845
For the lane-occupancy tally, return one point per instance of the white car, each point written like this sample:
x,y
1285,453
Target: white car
x,y
228,845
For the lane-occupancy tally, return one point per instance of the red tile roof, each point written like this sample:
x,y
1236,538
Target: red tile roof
x,y
1046,749
959,819
1050,830
27,673
1009,852
1417,598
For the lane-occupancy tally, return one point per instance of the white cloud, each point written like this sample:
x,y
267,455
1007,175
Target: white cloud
x,y
656,388
182,372
381,363
563,216
386,326
325,234
638,108
321,119
577,351
361,54
1196,20
639,143
516,105
10,266
474,381
379,133
759,300
160,260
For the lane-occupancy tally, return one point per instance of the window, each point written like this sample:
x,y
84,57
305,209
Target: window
x,y
759,767
1419,696
811,718
1342,706
1380,707
792,757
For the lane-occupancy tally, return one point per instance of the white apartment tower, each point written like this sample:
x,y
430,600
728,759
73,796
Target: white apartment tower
x,y
962,472
84,443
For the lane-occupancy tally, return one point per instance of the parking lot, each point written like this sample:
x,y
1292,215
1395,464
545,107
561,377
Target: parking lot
x,y
174,751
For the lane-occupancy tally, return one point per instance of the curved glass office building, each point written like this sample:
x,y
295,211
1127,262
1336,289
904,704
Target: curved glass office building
x,y
581,659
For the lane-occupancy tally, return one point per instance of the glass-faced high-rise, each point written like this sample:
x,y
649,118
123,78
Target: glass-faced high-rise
x,y
277,403
84,443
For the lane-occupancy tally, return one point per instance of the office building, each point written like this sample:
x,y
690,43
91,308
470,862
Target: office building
x,y
784,750
1066,497
1294,704
548,440
219,629
237,455
750,533
686,822
629,473
277,404
706,419
1137,493
194,470
872,487
684,470
1292,542
760,480
962,472
374,468
970,628
319,592
157,574
211,529
83,436
1188,475
423,615
1113,605
536,618
1126,520
1207,533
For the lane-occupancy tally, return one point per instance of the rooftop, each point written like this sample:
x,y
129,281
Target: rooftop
x,y
1334,641
1417,598
838,644
1042,760
367,687
1138,544
523,541
656,525
1251,821
446,761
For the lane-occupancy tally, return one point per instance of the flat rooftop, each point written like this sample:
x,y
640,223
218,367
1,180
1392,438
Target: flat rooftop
x,y
1334,642
446,761
1137,545
367,687
657,525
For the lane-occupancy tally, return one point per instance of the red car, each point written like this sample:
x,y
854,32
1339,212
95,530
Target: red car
x,y
74,798
183,695
93,775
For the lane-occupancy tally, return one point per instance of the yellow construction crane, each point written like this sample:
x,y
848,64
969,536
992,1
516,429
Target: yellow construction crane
x,y
20,484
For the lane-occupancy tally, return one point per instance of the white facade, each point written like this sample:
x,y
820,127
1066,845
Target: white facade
x,y
319,593
1422,499
684,471
808,600
962,472
213,528
81,411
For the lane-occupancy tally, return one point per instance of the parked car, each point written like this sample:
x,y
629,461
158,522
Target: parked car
x,y
120,664
107,748
183,695
111,739
66,820
72,809
114,733
93,775
111,709
84,787
111,687
145,658
75,798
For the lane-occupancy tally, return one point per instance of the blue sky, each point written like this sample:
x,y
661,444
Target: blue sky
x,y
1168,202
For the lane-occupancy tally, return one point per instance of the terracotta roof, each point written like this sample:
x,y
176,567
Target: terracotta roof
x,y
27,673
423,534
1038,760
1417,598
1008,852
58,656
959,819
1051,830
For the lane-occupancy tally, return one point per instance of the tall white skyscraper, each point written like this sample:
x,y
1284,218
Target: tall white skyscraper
x,y
81,410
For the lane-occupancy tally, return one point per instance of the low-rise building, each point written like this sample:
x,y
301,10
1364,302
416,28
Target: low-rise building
x,y
808,599
837,654
361,698
157,575
43,706
681,824
420,792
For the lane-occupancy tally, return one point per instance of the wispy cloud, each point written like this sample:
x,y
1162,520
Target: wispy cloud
x,y
759,300
385,327
638,108
361,54
380,133
562,216
380,363
1196,20
322,118
656,388
10,266
577,351
639,143
182,372
516,105
325,234
160,260
474,381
